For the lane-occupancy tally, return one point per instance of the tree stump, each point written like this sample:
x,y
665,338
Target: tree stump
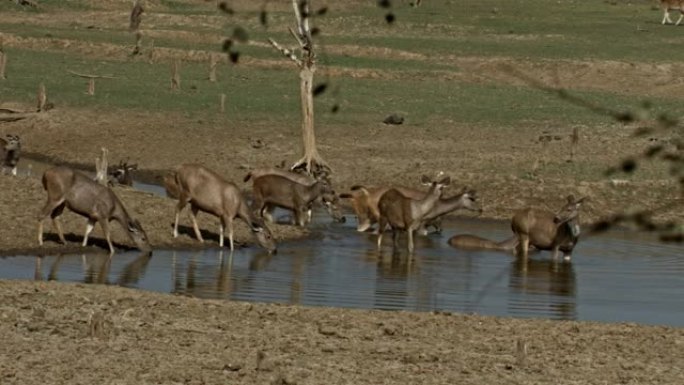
x,y
42,98
3,64
175,76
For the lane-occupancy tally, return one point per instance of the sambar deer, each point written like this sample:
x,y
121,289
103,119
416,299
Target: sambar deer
x,y
466,199
365,200
272,191
474,242
403,213
329,200
548,231
78,192
208,192
671,5
10,149
123,174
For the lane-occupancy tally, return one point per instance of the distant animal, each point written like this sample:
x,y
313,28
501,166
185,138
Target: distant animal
x,y
10,149
474,242
671,5
78,192
329,200
405,214
272,191
122,174
207,191
548,231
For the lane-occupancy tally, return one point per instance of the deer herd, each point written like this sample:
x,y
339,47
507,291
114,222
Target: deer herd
x,y
396,208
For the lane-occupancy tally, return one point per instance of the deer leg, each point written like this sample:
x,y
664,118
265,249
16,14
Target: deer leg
x,y
410,239
182,201
681,16
381,228
47,210
60,233
267,213
222,228
55,222
89,227
555,252
395,239
104,223
524,246
229,225
666,17
193,215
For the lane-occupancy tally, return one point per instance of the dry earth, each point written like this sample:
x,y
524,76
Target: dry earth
x,y
59,333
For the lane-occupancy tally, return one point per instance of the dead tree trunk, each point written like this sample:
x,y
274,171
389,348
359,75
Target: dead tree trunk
x,y
175,75
3,63
101,168
42,97
306,62
213,62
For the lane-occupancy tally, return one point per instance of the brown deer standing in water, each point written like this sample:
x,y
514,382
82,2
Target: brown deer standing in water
x,y
278,191
548,231
365,200
10,149
207,191
78,192
329,199
403,213
671,5
473,242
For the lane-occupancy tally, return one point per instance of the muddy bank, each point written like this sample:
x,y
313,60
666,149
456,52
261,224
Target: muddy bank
x,y
56,333
23,197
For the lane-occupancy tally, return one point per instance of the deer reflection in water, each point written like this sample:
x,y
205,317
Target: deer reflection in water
x,y
96,269
550,281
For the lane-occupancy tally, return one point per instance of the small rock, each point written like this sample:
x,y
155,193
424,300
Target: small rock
x,y
232,367
394,119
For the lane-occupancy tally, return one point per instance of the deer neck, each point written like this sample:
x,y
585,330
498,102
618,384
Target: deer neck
x,y
420,208
443,206
120,214
574,226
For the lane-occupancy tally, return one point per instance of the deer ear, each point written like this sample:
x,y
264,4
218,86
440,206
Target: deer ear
x,y
134,166
582,200
425,180
446,181
571,198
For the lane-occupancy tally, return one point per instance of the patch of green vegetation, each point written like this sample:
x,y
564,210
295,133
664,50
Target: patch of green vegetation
x,y
268,93
44,6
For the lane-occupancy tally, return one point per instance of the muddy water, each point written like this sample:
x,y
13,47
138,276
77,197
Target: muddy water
x,y
619,276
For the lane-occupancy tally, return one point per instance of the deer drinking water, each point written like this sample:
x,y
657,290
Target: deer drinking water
x,y
78,192
548,231
10,149
671,5
403,213
278,191
207,191
330,200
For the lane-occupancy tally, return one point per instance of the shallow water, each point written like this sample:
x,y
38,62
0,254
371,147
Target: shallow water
x,y
618,276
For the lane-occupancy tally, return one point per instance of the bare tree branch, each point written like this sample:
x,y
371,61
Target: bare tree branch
x,y
286,52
